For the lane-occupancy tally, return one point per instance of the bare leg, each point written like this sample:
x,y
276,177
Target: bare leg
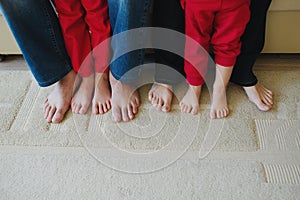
x,y
101,101
125,100
219,108
161,96
59,100
260,96
83,97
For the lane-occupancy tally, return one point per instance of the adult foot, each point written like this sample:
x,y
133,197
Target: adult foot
x,y
83,97
190,101
125,101
160,96
260,96
58,102
101,101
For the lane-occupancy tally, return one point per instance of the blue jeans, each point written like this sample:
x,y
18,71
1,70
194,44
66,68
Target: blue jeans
x,y
37,31
126,15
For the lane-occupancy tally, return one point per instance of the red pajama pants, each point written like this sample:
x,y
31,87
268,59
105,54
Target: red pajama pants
x,y
85,24
213,23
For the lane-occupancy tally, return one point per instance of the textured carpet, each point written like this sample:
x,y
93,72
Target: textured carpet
x,y
256,155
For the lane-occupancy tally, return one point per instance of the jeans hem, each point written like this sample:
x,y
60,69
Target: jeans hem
x,y
124,80
55,79
167,81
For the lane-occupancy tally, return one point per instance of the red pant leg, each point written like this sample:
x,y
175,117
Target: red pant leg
x,y
76,35
199,22
182,2
230,24
97,18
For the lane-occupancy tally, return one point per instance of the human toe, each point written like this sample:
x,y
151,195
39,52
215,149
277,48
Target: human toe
x,y
51,114
213,114
195,111
83,109
108,104
125,117
58,116
95,109
46,110
130,111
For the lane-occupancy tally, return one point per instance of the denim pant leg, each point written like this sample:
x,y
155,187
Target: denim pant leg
x,y
126,15
37,32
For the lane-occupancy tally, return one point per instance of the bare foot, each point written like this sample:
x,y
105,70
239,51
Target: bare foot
x,y
190,101
260,96
161,96
101,101
83,97
125,101
58,102
219,107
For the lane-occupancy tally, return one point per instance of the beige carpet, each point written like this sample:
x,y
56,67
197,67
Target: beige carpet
x,y
257,155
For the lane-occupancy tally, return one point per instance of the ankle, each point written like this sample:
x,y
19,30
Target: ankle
x,y
164,85
196,89
88,79
219,85
249,87
104,76
70,77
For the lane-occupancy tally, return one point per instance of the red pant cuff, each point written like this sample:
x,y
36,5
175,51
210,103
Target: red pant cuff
x,y
225,61
195,81
102,70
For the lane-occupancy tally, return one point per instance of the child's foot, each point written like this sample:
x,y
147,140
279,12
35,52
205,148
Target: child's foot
x,y
190,101
161,96
124,100
58,102
260,96
219,107
82,98
101,101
